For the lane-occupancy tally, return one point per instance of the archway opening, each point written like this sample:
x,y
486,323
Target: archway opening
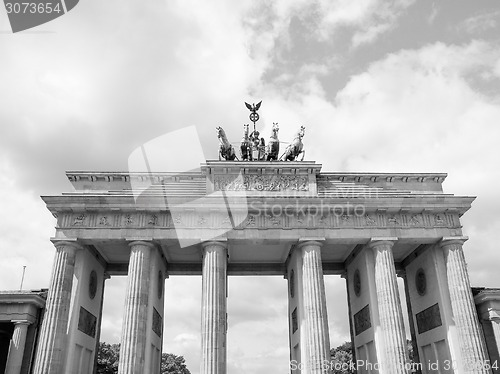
x,y
257,325
181,321
337,309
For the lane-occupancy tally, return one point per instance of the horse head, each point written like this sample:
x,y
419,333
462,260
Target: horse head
x,y
275,129
300,134
245,132
220,132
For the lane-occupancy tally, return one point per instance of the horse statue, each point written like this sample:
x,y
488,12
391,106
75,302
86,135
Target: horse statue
x,y
273,148
246,146
226,150
293,151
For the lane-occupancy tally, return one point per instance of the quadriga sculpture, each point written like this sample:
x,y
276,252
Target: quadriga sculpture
x,y
226,150
293,150
273,148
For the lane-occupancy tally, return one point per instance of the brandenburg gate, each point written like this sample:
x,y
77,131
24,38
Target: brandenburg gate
x,y
294,221
259,217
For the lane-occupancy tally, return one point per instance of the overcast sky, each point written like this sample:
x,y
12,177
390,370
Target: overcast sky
x,y
381,86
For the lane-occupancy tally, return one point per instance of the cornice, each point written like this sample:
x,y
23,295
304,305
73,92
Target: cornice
x,y
23,297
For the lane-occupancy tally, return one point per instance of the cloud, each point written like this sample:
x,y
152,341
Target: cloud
x,y
22,240
366,19
85,100
370,34
433,14
480,23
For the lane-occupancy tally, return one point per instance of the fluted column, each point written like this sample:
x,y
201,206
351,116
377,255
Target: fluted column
x,y
471,339
495,324
133,339
392,349
316,339
16,349
52,341
213,309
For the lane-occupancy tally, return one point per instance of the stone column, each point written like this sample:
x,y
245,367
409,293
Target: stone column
x,y
495,324
213,308
416,355
316,351
471,339
105,277
392,350
349,311
133,340
16,349
491,329
52,342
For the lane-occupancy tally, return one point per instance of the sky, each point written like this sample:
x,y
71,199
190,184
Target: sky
x,y
381,86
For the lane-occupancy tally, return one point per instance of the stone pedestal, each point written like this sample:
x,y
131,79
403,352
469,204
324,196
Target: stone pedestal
x,y
52,341
16,349
133,340
213,309
316,340
392,348
471,340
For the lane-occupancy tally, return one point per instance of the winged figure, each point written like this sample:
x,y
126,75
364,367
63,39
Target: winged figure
x,y
253,108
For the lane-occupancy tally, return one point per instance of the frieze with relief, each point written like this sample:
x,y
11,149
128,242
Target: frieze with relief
x,y
262,183
287,220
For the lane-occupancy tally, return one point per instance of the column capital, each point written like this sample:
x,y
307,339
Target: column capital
x,y
310,241
59,243
379,241
401,273
146,243
21,322
218,242
452,240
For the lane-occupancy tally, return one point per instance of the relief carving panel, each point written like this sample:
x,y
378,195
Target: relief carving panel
x,y
262,183
362,321
157,322
428,319
87,322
